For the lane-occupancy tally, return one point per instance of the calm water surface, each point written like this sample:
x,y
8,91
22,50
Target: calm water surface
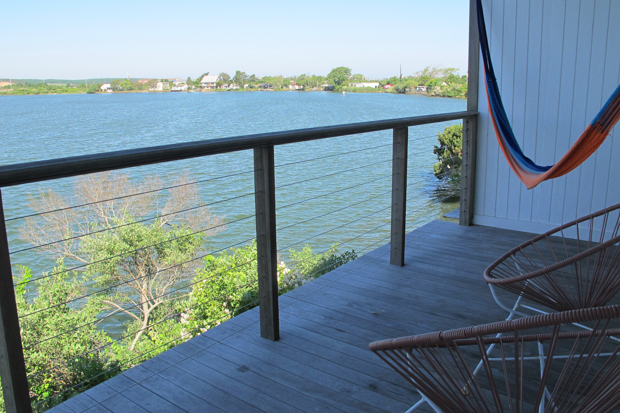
x,y
45,127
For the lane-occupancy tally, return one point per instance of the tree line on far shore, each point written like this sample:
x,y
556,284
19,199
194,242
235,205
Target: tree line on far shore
x,y
432,81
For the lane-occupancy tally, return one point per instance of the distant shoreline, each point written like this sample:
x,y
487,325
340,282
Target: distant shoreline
x,y
3,92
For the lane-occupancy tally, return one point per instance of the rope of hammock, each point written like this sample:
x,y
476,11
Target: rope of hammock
x,y
526,170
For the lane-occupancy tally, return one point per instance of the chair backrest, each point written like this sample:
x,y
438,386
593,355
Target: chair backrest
x,y
576,265
536,361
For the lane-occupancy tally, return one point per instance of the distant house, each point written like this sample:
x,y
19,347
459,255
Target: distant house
x,y
3,84
366,84
177,81
208,81
295,86
163,86
180,87
106,87
388,86
420,88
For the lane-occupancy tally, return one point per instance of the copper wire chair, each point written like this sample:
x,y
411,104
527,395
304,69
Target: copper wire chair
x,y
576,265
543,364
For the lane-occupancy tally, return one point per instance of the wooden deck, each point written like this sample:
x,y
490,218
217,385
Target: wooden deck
x,y
322,362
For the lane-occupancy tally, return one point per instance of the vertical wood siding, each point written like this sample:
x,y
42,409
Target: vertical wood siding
x,y
557,62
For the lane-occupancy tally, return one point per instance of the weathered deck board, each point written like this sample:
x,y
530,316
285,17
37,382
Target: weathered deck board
x,y
322,362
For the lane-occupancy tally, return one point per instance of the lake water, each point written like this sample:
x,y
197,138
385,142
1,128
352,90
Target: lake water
x,y
45,127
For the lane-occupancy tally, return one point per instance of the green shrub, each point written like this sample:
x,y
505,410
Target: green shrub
x,y
80,356
228,283
449,154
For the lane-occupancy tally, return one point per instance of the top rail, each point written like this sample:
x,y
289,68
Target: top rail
x,y
38,171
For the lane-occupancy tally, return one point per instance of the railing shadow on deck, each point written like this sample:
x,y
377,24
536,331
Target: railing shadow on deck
x,y
166,282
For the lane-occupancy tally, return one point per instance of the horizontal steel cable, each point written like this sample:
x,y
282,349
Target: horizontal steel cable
x,y
108,371
168,317
317,271
331,156
132,280
334,192
130,252
351,152
348,241
340,226
366,216
389,222
334,173
138,304
127,196
132,223
334,211
129,361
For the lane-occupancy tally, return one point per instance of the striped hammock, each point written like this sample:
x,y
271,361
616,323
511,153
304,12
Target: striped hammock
x,y
529,172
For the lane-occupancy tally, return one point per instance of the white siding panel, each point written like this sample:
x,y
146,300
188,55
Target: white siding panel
x,y
515,192
562,69
545,148
507,84
556,63
533,36
494,28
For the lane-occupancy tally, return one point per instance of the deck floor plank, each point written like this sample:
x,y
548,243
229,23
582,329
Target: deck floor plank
x,y
322,362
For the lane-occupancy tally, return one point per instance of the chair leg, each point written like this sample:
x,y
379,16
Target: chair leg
x,y
423,400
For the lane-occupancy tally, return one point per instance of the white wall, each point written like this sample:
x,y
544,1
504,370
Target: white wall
x,y
556,62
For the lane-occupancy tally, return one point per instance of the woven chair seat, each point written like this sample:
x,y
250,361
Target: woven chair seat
x,y
576,265
539,363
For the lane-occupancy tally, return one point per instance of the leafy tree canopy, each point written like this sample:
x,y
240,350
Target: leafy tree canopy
x,y
339,76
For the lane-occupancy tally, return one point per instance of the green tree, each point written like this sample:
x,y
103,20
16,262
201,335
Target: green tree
x,y
224,77
449,154
137,263
240,78
127,85
305,265
357,78
228,286
63,344
339,76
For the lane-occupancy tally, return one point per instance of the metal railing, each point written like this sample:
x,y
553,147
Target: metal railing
x,y
12,364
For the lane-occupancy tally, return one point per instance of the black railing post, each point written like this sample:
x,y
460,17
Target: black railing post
x,y
399,195
12,364
267,253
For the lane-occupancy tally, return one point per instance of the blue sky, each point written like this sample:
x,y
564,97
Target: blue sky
x,y
89,39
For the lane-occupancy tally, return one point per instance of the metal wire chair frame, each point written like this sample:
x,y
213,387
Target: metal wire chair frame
x,y
551,286
405,355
